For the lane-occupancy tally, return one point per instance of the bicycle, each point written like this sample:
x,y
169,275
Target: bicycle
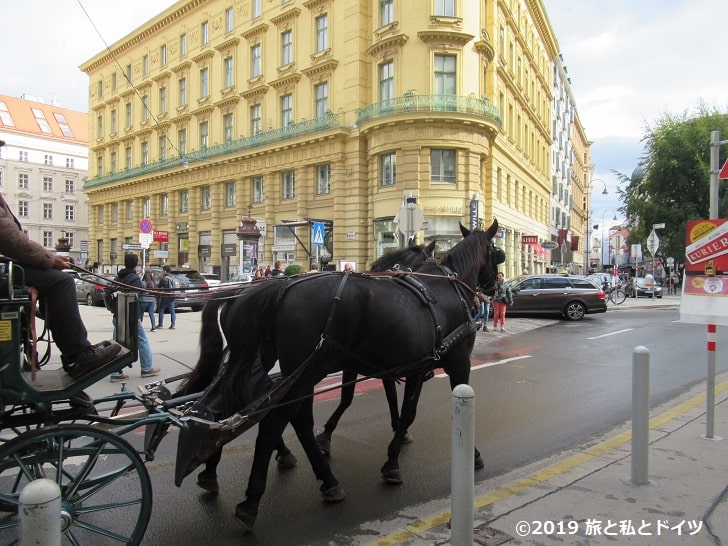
x,y
616,294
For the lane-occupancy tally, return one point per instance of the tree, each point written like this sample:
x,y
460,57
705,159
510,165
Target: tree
x,y
675,181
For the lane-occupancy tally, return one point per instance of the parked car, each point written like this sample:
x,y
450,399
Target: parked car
x,y
237,279
212,279
194,291
551,294
640,289
90,288
604,280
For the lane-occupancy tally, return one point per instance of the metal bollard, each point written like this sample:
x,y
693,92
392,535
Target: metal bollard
x,y
640,414
40,513
462,477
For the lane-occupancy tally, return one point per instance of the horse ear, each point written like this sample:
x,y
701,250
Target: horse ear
x,y
430,249
492,230
465,231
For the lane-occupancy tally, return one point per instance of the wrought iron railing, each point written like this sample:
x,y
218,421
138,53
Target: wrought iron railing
x,y
429,103
294,130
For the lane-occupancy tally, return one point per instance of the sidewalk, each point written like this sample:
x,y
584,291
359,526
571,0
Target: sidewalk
x,y
586,495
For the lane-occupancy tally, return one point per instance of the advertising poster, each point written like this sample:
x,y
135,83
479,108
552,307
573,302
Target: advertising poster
x,y
705,286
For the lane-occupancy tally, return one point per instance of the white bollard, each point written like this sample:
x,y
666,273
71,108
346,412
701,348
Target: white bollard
x,y
462,476
40,513
640,415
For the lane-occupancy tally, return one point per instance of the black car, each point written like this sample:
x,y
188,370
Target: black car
x,y
569,296
194,290
90,288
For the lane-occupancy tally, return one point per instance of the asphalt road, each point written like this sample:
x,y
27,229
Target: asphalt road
x,y
540,391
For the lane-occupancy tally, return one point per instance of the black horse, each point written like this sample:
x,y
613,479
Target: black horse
x,y
211,358
315,325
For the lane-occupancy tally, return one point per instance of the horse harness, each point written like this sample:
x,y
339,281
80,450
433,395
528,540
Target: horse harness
x,y
409,281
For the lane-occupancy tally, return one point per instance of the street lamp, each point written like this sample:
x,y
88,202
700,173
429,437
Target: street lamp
x,y
587,231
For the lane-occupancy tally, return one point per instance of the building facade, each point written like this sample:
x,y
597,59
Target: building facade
x,y
321,119
43,166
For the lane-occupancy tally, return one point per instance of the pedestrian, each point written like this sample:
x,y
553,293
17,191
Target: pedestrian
x,y
42,270
277,269
502,298
258,274
166,301
482,302
130,279
147,301
267,271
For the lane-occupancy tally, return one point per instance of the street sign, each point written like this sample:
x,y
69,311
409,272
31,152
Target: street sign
x,y
653,242
318,233
145,226
549,245
145,239
131,246
410,219
723,174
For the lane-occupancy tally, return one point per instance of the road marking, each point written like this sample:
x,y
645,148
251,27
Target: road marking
x,y
488,364
612,333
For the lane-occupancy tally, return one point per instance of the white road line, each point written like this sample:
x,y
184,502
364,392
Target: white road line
x,y
489,364
612,333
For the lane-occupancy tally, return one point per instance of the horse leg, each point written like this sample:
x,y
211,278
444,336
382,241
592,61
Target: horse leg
x,y
270,430
348,387
303,425
412,389
207,479
390,389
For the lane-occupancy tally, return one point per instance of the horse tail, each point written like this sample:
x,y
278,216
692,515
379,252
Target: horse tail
x,y
211,349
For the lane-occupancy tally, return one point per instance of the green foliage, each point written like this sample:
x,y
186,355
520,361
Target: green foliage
x,y
293,269
676,181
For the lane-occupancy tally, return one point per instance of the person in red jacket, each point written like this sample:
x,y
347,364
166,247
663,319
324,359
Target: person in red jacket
x,y
42,270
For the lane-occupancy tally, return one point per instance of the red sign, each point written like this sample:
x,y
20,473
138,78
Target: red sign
x,y
529,239
145,226
161,236
706,266
724,171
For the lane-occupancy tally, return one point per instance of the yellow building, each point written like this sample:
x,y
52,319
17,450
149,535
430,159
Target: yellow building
x,y
321,114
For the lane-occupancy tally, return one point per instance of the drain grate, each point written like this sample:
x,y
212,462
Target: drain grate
x,y
488,536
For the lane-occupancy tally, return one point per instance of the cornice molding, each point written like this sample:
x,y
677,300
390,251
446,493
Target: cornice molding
x,y
397,41
255,31
325,67
231,42
445,37
252,94
209,54
286,16
280,83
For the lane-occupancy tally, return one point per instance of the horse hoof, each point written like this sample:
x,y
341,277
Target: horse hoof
x,y
324,443
334,494
392,476
244,519
208,483
286,461
479,462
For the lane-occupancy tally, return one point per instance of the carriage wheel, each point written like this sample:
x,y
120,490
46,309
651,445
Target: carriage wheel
x,y
106,493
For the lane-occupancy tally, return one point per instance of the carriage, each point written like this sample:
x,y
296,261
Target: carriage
x,y
50,428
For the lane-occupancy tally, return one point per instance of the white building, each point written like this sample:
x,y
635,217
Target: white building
x,y
43,166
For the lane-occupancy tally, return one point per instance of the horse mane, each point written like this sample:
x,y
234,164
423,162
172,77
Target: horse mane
x,y
410,257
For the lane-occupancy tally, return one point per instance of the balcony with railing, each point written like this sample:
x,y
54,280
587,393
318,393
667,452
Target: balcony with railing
x,y
290,132
411,103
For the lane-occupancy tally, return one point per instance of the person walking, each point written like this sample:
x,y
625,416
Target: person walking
x,y
482,302
129,277
502,298
148,302
166,301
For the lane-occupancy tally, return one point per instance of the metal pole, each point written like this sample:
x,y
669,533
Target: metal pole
x,y
40,513
640,414
462,476
712,329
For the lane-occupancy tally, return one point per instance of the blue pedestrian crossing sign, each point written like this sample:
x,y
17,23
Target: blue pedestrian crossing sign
x,y
318,233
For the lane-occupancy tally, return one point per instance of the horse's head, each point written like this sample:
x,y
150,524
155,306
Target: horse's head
x,y
494,257
490,255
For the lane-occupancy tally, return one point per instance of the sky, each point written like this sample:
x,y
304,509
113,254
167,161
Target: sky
x,y
629,61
